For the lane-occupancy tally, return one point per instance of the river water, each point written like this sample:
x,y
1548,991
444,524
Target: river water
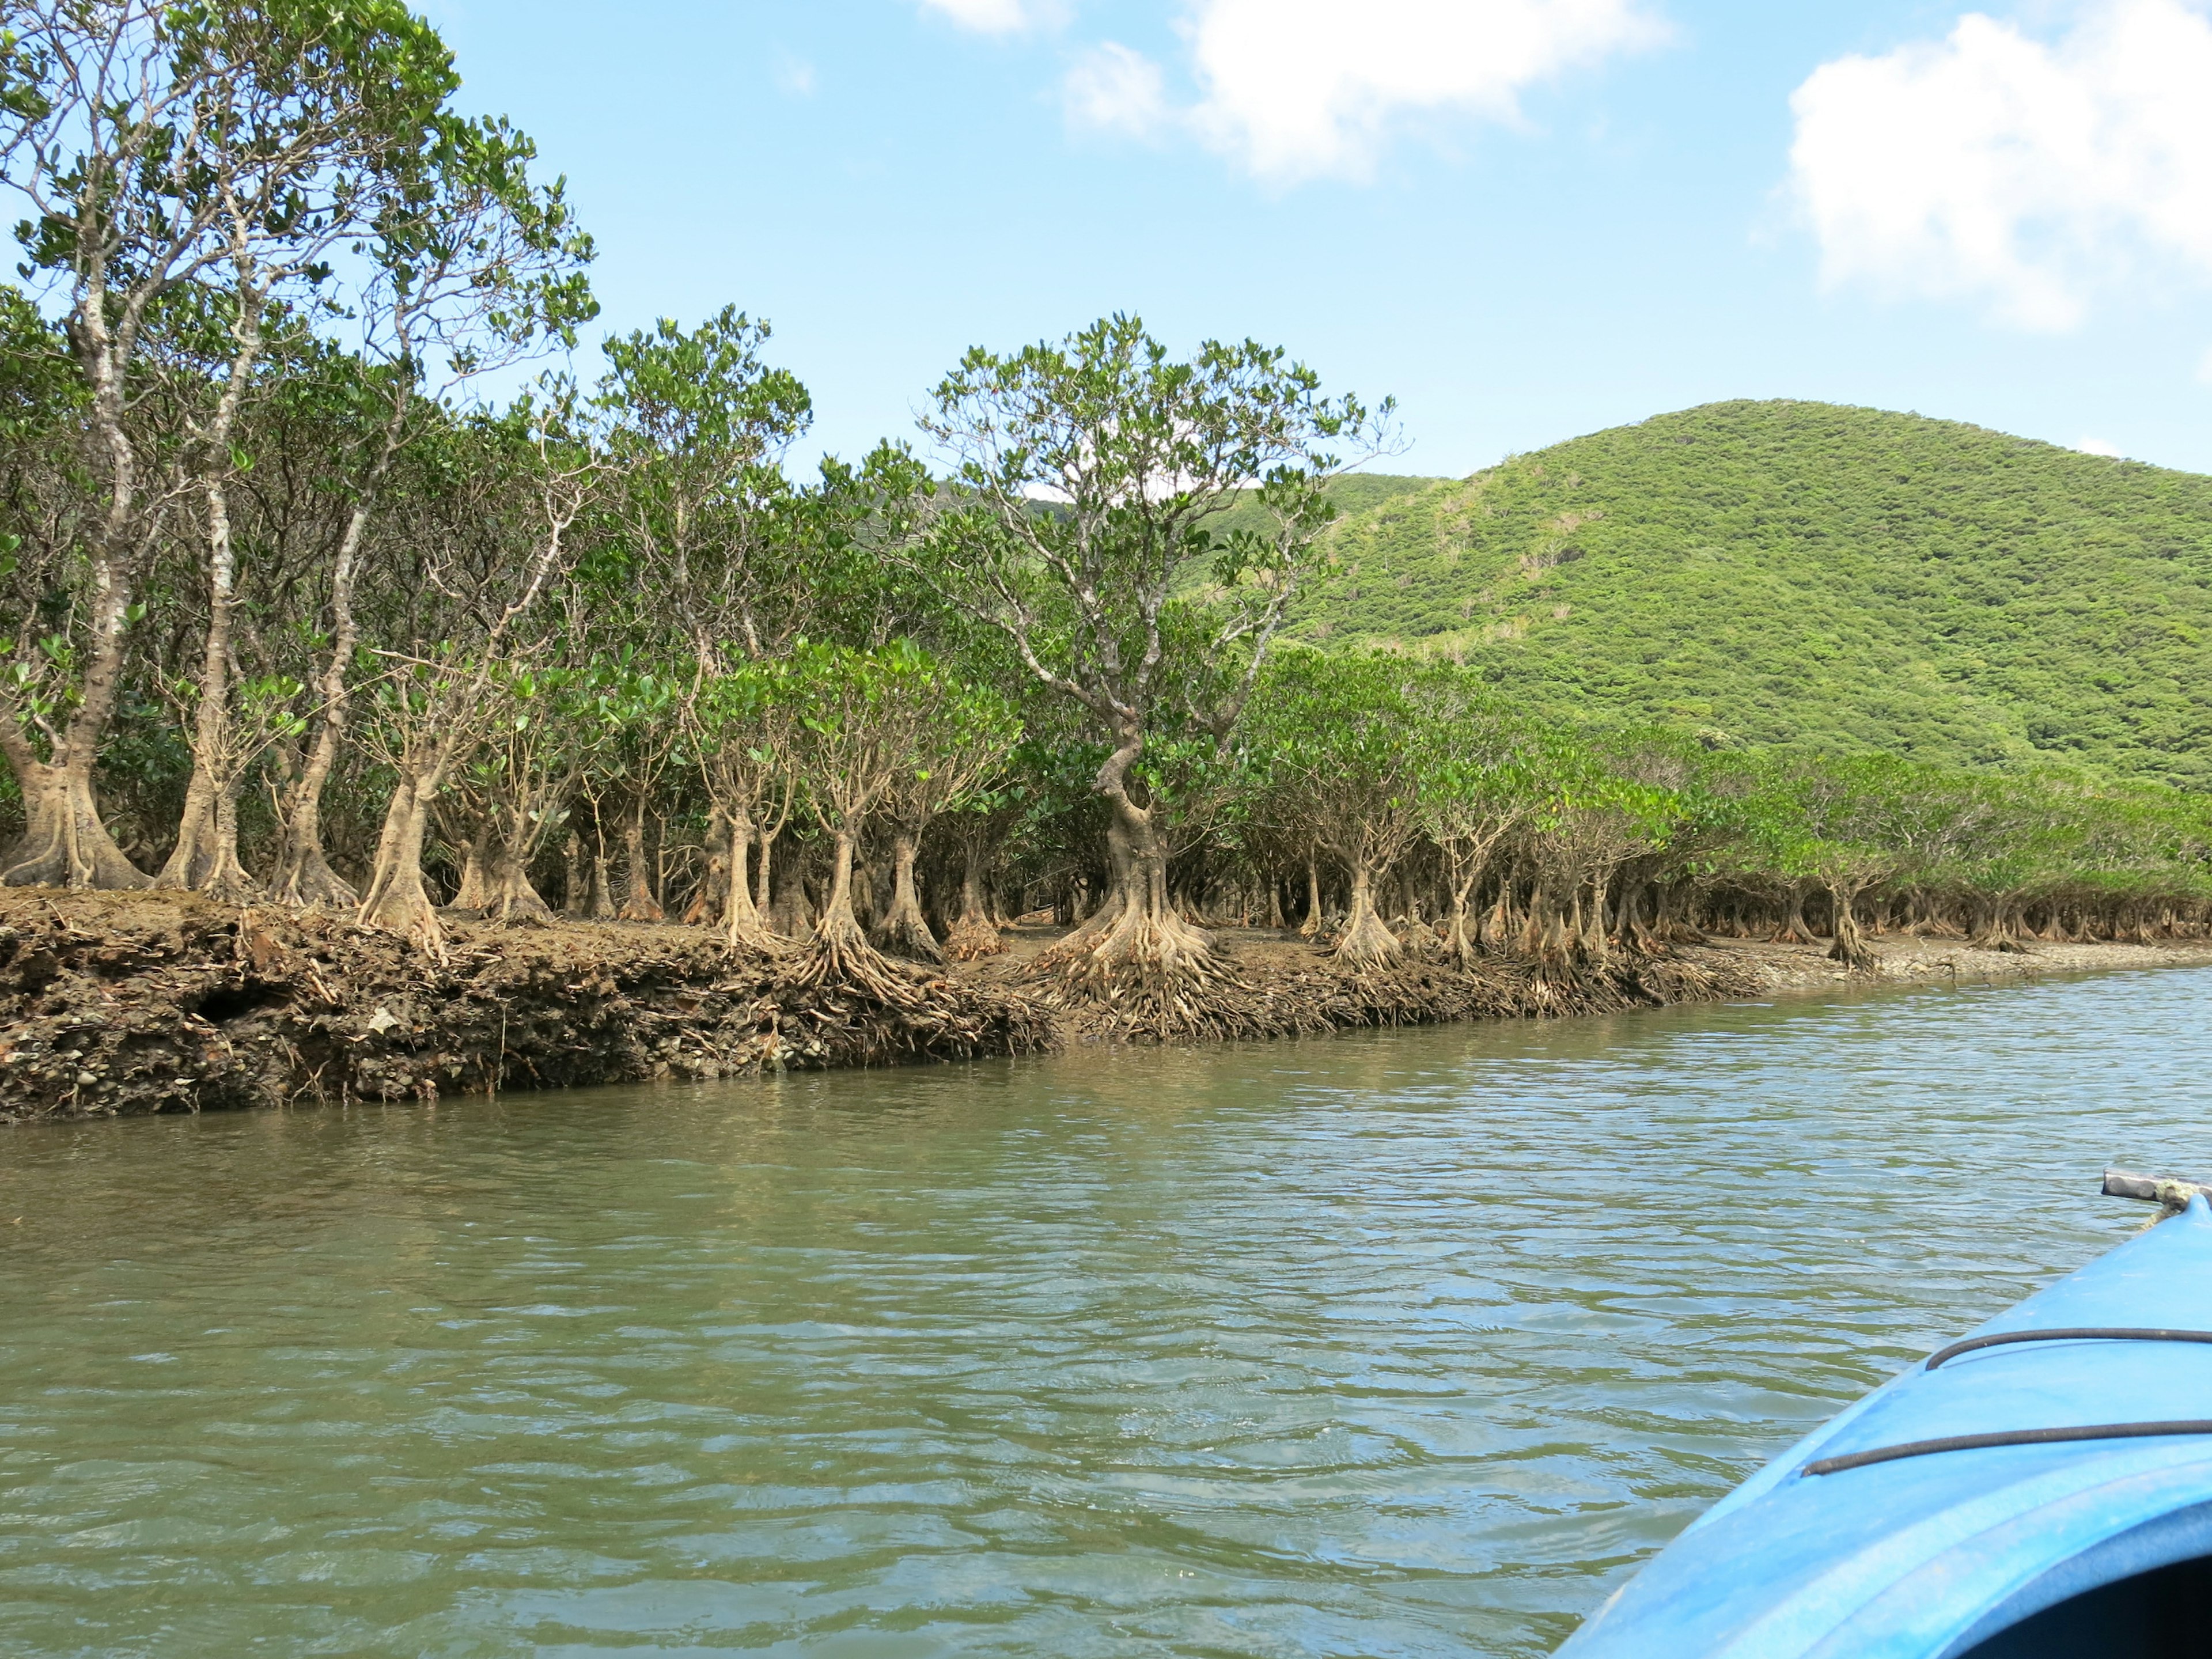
x,y
1394,1344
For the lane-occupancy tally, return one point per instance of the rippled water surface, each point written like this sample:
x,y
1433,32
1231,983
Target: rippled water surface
x,y
1393,1344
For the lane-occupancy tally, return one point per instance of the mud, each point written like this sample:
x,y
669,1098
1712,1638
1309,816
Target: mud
x,y
1900,960
116,1003
119,1003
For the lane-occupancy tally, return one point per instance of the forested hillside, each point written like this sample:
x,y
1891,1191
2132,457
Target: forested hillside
x,y
296,618
1778,571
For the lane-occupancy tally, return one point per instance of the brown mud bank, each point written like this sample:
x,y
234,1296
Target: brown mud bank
x,y
124,1003
114,1003
1905,960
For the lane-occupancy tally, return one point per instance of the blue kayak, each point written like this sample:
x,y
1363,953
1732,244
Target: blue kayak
x,y
2042,1488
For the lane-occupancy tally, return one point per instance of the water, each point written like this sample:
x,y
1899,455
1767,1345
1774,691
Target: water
x,y
1394,1345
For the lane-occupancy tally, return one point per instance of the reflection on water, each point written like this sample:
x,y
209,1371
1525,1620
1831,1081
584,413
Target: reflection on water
x,y
1401,1344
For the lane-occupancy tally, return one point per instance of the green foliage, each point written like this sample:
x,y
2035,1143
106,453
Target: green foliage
x,y
1340,753
866,724
1802,572
1093,474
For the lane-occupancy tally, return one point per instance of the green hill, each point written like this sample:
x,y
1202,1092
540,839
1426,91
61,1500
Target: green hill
x,y
1802,571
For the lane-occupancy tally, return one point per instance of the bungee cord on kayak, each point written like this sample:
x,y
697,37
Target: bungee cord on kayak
x,y
2085,1333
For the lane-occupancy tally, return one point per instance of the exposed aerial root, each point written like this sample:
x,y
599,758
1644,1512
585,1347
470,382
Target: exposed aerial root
x,y
1218,1003
1421,941
155,1002
972,938
841,955
1147,978
749,936
904,931
1368,943
1853,956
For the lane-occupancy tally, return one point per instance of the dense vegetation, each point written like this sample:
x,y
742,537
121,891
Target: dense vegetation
x,y
1802,573
294,616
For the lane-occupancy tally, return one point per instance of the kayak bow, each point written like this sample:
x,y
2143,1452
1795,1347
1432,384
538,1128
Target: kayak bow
x,y
2042,1487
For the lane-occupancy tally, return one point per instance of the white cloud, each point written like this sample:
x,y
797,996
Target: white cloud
x,y
795,76
2204,368
1305,88
2098,446
985,17
1995,166
1114,89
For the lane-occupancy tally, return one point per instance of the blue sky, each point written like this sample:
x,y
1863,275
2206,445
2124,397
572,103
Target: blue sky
x,y
1526,219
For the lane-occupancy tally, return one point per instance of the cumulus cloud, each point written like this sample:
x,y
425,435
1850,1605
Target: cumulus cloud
x,y
1305,88
2098,446
1113,89
986,17
795,76
2026,174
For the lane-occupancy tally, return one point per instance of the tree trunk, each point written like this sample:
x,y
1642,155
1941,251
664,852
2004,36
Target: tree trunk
x,y
904,929
867,883
1597,942
397,900
709,904
1849,947
1310,927
303,876
638,902
973,934
838,927
1136,954
1367,943
763,892
1534,919
576,888
1496,929
1996,927
1794,929
475,891
205,858
744,927
1463,933
838,952
64,844
791,913
1633,933
510,898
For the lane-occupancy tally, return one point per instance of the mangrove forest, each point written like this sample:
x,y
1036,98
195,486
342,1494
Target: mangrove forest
x,y
332,590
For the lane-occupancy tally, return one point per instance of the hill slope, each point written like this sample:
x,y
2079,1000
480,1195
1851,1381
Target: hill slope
x,y
1805,572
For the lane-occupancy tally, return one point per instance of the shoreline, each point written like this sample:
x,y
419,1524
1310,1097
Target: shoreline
x,y
1799,968
128,1003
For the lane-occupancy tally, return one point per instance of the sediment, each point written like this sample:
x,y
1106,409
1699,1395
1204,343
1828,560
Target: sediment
x,y
125,1002
120,1003
1272,992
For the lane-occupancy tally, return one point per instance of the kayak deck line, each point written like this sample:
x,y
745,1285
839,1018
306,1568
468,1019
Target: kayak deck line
x,y
2042,1535
1836,1465
2068,1333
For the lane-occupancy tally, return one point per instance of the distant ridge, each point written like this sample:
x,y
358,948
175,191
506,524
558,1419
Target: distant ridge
x,y
1807,572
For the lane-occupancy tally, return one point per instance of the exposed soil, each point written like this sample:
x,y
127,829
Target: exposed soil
x,y
115,1003
1905,961
1281,985
148,1002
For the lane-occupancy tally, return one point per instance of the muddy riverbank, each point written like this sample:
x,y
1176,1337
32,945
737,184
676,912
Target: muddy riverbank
x,y
117,1004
